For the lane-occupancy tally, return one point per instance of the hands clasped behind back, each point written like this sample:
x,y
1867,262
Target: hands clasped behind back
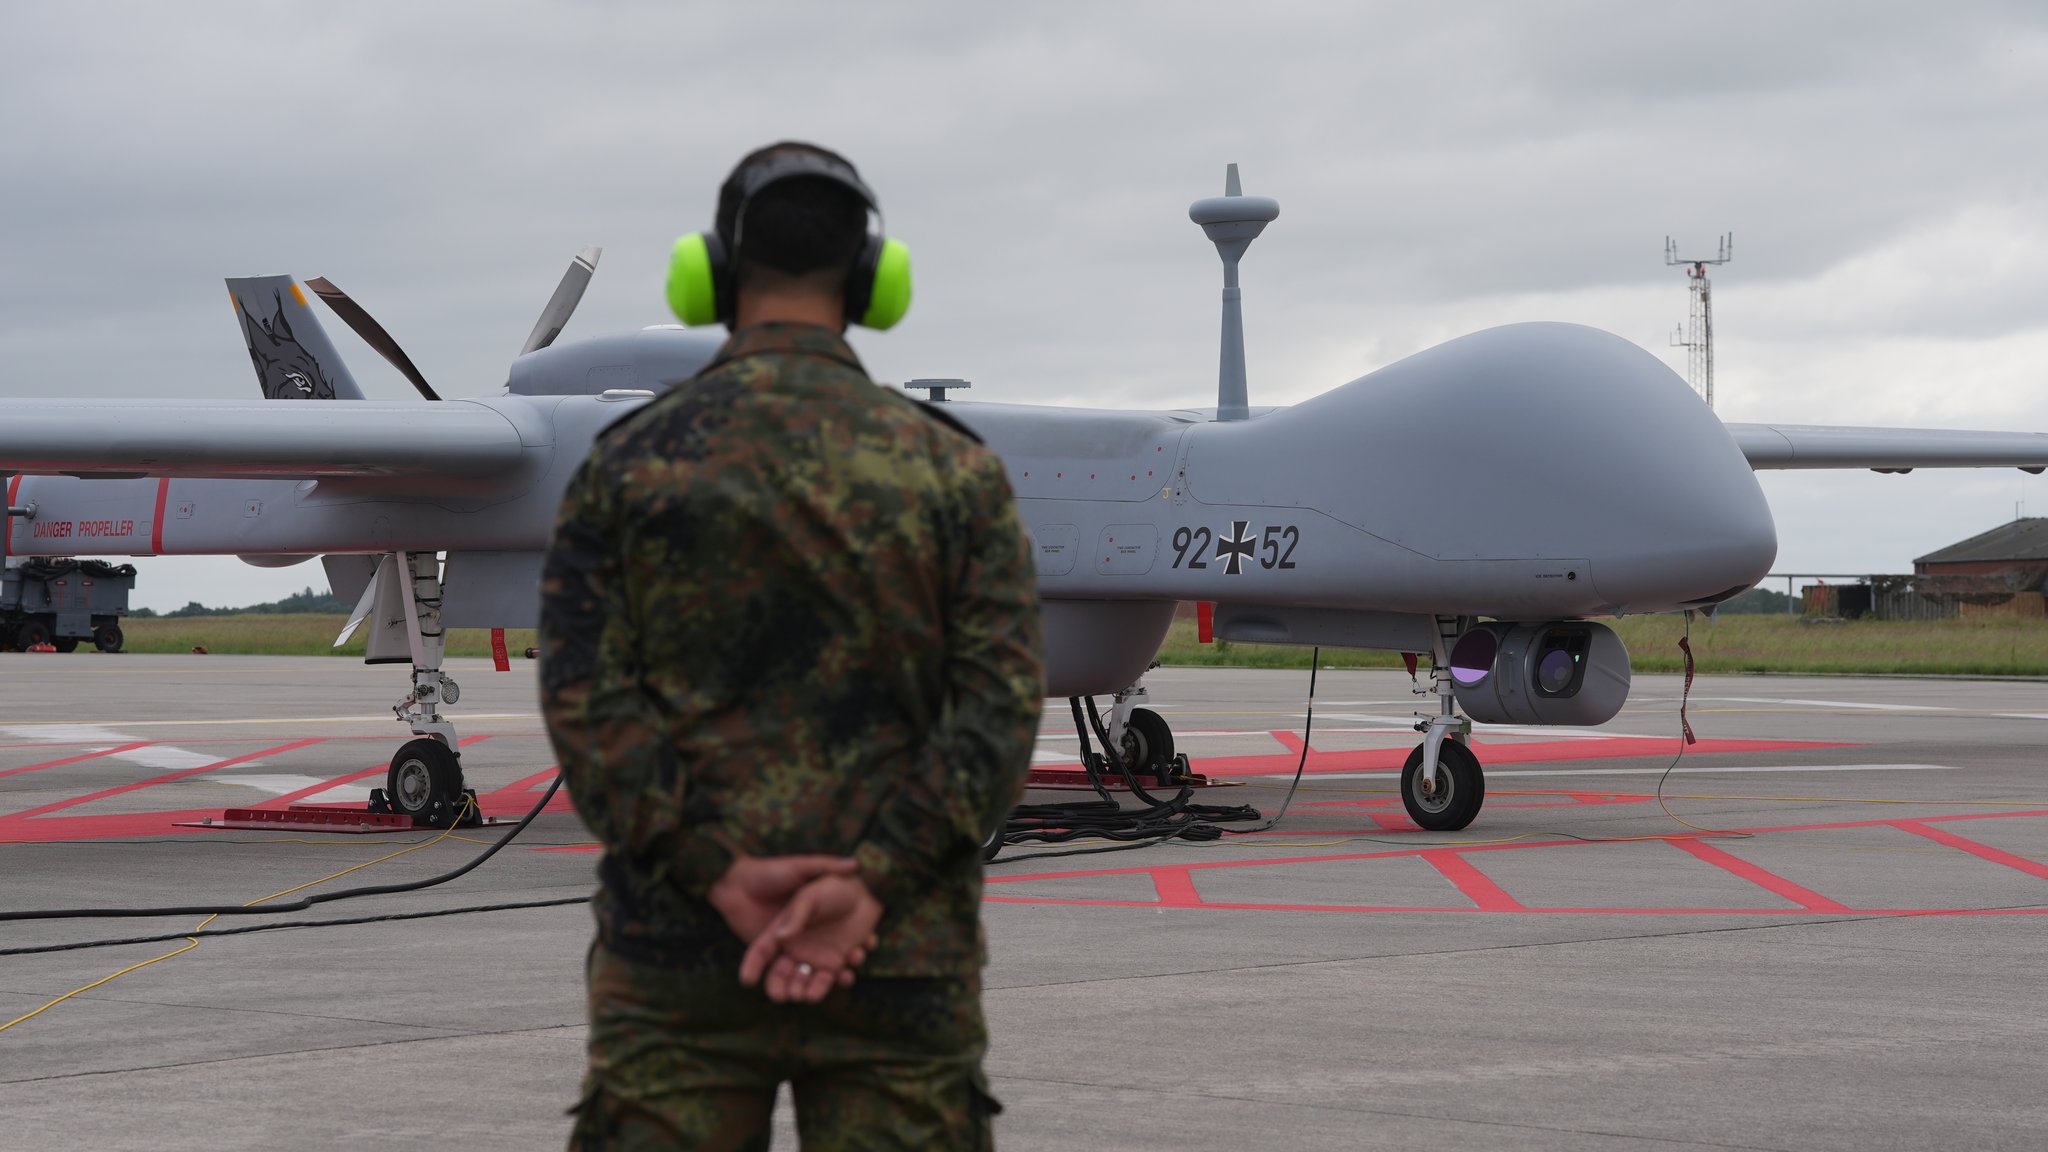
x,y
808,922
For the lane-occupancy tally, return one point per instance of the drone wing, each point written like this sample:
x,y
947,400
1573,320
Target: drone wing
x,y
254,439
1887,449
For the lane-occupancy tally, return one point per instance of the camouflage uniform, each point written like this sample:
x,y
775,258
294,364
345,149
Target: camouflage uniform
x,y
793,611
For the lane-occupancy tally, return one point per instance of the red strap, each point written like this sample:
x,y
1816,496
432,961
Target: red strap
x,y
1205,622
1408,658
1685,697
498,654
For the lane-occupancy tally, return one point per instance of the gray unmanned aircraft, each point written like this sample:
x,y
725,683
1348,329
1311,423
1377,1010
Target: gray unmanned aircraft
x,y
1476,503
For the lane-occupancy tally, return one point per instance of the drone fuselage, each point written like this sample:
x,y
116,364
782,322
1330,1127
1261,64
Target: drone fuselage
x,y
1531,472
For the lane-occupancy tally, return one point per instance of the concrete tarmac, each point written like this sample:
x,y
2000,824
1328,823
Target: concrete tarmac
x,y
1829,941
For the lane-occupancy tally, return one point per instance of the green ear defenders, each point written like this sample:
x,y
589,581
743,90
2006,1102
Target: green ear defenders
x,y
700,269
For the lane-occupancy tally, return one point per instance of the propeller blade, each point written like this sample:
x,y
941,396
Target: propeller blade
x,y
562,304
373,333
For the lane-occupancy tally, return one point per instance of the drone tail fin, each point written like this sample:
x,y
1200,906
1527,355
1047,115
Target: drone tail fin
x,y
293,357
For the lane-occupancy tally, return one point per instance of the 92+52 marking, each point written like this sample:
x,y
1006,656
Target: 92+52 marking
x,y
1273,547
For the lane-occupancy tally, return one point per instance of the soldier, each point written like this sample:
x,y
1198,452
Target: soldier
x,y
790,664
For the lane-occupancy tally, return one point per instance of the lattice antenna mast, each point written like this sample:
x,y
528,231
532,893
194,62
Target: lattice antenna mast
x,y
1697,338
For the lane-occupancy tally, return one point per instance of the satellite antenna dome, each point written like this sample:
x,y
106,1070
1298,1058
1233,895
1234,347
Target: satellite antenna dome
x,y
1232,221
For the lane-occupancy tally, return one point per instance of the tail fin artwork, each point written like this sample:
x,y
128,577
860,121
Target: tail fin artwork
x,y
293,357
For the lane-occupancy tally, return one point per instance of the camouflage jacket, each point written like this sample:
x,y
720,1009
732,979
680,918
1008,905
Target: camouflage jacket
x,y
789,610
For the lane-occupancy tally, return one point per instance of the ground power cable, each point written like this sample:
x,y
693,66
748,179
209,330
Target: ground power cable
x,y
193,936
198,934
308,901
1207,819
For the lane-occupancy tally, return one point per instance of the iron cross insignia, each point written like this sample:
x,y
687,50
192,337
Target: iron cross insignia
x,y
1239,547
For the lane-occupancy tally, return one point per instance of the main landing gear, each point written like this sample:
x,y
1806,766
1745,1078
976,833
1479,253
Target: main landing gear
x,y
425,779
1142,735
1442,785
1136,756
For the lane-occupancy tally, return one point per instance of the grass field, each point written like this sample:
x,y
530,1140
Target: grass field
x,y
2008,647
301,635
2012,647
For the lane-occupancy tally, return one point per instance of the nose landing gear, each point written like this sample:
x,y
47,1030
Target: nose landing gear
x,y
1442,785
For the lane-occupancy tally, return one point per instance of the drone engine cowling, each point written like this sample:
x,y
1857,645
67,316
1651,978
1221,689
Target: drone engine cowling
x,y
1556,672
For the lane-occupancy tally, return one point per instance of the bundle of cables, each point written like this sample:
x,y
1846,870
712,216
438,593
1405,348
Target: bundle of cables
x,y
299,905
1153,820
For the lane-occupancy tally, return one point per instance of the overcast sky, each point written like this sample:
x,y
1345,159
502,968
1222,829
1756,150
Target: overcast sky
x,y
1440,168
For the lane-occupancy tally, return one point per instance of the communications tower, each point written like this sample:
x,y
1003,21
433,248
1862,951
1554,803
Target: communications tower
x,y
1697,337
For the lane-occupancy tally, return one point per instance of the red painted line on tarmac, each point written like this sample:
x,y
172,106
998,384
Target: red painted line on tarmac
x,y
54,828
1770,882
1536,751
1519,846
1209,905
291,798
76,759
1894,822
1476,886
167,778
1176,888
156,527
497,805
384,769
527,784
1981,851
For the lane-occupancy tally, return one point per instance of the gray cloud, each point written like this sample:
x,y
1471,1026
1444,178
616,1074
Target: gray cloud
x,y
1439,168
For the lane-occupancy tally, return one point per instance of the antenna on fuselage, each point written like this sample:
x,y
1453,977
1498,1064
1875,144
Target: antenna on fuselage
x,y
1232,221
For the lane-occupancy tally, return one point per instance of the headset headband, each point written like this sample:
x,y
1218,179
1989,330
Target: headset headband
x,y
782,162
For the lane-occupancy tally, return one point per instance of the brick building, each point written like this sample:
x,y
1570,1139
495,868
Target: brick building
x,y
2000,572
2018,551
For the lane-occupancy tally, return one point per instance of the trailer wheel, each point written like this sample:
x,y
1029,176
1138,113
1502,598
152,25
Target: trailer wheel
x,y
29,633
65,643
106,638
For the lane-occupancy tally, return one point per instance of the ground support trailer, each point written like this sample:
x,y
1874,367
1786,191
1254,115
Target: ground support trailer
x,y
62,602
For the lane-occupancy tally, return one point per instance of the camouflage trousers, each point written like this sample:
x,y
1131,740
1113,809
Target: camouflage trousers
x,y
693,1060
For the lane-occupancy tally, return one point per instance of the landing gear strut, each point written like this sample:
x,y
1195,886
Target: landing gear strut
x,y
425,780
1442,785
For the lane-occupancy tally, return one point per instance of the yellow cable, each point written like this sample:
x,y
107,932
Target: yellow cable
x,y
192,942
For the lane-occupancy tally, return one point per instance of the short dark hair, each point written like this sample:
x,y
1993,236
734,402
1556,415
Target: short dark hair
x,y
800,225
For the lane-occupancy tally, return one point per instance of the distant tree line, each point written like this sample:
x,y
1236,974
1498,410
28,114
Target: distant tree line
x,y
307,602
1757,601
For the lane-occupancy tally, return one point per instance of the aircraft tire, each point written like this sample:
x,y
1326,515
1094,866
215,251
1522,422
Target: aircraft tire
x,y
424,782
108,638
1148,742
1461,788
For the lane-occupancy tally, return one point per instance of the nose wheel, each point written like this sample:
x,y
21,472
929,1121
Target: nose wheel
x,y
1453,800
425,783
